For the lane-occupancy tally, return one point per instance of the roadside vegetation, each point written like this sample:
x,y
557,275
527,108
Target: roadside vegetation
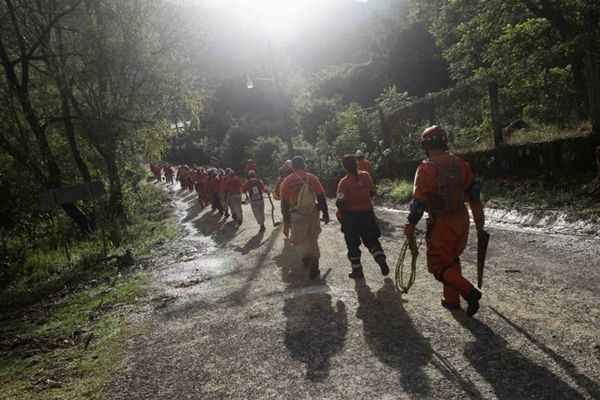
x,y
574,196
64,324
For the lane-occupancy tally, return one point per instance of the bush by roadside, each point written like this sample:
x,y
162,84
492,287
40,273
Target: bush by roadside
x,y
64,324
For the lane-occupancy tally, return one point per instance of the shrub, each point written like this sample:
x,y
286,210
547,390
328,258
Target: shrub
x,y
401,191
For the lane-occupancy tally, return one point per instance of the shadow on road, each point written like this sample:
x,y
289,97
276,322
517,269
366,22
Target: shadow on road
x,y
314,329
254,243
392,337
592,387
511,374
213,225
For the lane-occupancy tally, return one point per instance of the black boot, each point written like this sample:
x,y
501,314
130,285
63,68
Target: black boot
x,y
357,273
381,260
473,299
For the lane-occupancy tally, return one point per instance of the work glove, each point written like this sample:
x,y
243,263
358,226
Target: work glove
x,y
409,230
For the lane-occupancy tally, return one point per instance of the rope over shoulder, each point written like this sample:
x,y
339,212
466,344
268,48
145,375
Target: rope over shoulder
x,y
413,245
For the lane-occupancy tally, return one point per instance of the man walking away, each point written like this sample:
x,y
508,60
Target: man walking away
x,y
355,212
223,180
255,188
234,196
284,172
302,196
443,183
213,189
169,174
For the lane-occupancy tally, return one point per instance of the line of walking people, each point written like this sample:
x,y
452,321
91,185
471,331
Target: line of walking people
x,y
221,189
444,183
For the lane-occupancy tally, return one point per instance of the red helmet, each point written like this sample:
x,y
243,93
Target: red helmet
x,y
434,136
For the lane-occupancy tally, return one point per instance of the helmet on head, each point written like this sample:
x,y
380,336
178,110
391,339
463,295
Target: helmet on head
x,y
434,137
359,153
288,163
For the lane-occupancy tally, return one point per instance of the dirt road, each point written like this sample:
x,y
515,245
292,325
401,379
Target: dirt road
x,y
239,319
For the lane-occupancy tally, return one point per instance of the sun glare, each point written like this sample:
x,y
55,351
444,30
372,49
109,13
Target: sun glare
x,y
275,8
278,19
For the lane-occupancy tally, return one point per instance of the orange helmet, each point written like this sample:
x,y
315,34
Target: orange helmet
x,y
434,136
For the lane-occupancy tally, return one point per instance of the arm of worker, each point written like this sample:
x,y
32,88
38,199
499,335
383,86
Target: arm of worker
x,y
323,207
340,198
423,185
319,191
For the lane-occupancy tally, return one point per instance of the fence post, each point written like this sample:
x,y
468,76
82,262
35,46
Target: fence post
x,y
495,113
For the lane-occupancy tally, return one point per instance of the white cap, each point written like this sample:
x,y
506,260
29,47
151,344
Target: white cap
x,y
359,153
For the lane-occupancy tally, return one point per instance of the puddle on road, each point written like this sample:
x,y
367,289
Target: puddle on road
x,y
199,258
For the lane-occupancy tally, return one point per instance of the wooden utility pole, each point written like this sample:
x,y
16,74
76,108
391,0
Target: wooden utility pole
x,y
495,113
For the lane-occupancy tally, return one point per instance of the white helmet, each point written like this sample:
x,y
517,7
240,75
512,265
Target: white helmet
x,y
359,153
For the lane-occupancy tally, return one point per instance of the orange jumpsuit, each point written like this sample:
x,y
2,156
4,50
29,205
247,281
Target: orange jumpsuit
x,y
447,228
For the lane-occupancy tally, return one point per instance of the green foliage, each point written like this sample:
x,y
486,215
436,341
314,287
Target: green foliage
x,y
81,370
567,193
314,115
401,191
269,154
391,99
47,267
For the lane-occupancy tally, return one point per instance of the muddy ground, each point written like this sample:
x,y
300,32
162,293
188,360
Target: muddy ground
x,y
235,317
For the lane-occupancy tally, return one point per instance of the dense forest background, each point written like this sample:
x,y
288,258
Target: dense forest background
x,y
92,90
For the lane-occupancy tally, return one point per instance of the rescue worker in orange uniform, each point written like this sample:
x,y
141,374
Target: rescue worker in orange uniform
x,y
284,172
363,164
443,183
223,180
168,174
356,215
213,190
304,223
254,189
234,196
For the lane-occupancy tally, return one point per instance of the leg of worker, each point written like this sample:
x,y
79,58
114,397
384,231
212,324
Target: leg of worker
x,y
235,204
352,238
299,236
370,234
258,209
441,257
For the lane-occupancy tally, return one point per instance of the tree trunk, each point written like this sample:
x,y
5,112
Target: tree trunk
x,y
84,171
115,202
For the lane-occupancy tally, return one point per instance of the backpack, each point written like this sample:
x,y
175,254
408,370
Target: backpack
x,y
450,195
306,198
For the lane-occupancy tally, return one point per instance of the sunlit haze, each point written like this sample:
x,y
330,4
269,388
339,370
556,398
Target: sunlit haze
x,y
278,18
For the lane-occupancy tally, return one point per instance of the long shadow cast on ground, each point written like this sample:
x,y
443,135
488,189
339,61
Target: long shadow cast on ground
x,y
511,374
592,387
392,337
314,330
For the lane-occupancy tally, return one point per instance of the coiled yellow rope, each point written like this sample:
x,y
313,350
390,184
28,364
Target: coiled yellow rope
x,y
409,243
